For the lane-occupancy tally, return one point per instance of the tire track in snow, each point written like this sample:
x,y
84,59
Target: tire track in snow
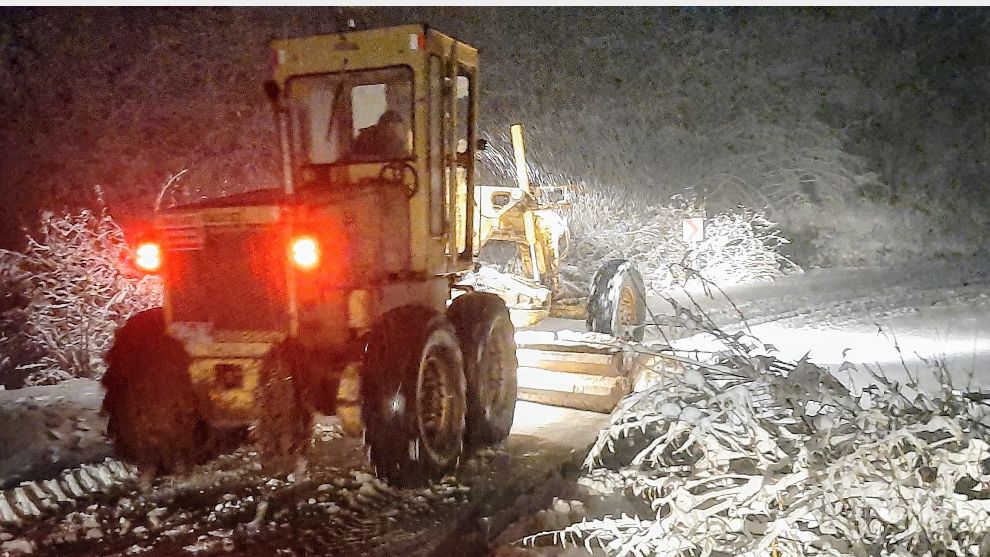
x,y
36,499
32,500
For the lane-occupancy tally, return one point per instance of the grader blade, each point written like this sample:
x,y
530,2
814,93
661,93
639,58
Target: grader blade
x,y
572,390
573,374
585,371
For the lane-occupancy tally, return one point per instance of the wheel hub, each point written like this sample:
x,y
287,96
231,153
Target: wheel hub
x,y
627,313
434,404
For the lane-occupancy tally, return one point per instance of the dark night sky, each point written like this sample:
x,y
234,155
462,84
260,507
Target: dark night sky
x,y
809,106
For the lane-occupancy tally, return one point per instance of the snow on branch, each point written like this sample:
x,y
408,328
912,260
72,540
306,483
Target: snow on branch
x,y
741,246
752,456
73,286
606,223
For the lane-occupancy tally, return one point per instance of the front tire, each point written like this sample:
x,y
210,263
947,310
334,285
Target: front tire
x,y
488,343
413,400
153,416
616,304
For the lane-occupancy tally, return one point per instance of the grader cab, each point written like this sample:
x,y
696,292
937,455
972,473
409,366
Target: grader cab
x,y
333,293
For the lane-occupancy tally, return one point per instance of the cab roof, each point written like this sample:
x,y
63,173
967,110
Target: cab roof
x,y
373,48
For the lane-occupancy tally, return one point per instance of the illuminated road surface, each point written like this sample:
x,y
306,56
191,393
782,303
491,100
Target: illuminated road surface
x,y
899,318
903,320
575,429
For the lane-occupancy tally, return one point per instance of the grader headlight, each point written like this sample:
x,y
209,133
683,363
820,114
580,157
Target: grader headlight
x,y
305,252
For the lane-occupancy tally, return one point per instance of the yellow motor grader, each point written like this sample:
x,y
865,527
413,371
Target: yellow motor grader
x,y
342,292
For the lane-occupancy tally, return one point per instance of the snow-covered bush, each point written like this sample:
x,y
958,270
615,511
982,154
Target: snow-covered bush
x,y
69,290
13,346
740,246
606,223
752,456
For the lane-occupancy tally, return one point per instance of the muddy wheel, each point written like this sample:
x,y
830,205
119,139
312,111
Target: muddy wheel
x,y
285,424
488,344
412,394
153,416
616,304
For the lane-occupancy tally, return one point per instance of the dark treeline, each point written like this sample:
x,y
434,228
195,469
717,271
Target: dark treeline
x,y
766,107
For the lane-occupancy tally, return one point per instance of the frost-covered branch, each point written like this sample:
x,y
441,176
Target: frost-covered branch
x,y
750,455
73,285
738,247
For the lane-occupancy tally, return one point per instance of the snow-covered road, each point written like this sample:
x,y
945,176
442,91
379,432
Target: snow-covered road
x,y
905,319
229,507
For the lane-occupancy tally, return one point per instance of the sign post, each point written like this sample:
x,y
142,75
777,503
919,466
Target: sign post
x,y
694,233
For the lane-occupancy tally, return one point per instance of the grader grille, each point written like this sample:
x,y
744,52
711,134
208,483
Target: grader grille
x,y
234,279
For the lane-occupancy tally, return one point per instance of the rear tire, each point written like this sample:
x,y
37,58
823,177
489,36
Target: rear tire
x,y
285,424
153,416
616,304
488,344
412,392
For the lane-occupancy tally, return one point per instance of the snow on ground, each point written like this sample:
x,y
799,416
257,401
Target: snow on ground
x,y
898,318
937,311
229,507
336,507
46,429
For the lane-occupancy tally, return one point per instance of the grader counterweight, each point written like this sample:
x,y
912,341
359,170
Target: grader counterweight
x,y
333,293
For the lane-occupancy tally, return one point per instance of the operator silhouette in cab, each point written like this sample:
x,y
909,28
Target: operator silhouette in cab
x,y
390,138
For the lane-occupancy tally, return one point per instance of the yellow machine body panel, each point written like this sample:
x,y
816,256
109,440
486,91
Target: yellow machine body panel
x,y
443,97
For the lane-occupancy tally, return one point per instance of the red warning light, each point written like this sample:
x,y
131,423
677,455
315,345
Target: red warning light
x,y
148,257
305,252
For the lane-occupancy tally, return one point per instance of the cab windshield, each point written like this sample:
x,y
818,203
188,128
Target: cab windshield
x,y
361,116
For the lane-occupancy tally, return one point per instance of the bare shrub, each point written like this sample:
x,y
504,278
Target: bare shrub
x,y
73,285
